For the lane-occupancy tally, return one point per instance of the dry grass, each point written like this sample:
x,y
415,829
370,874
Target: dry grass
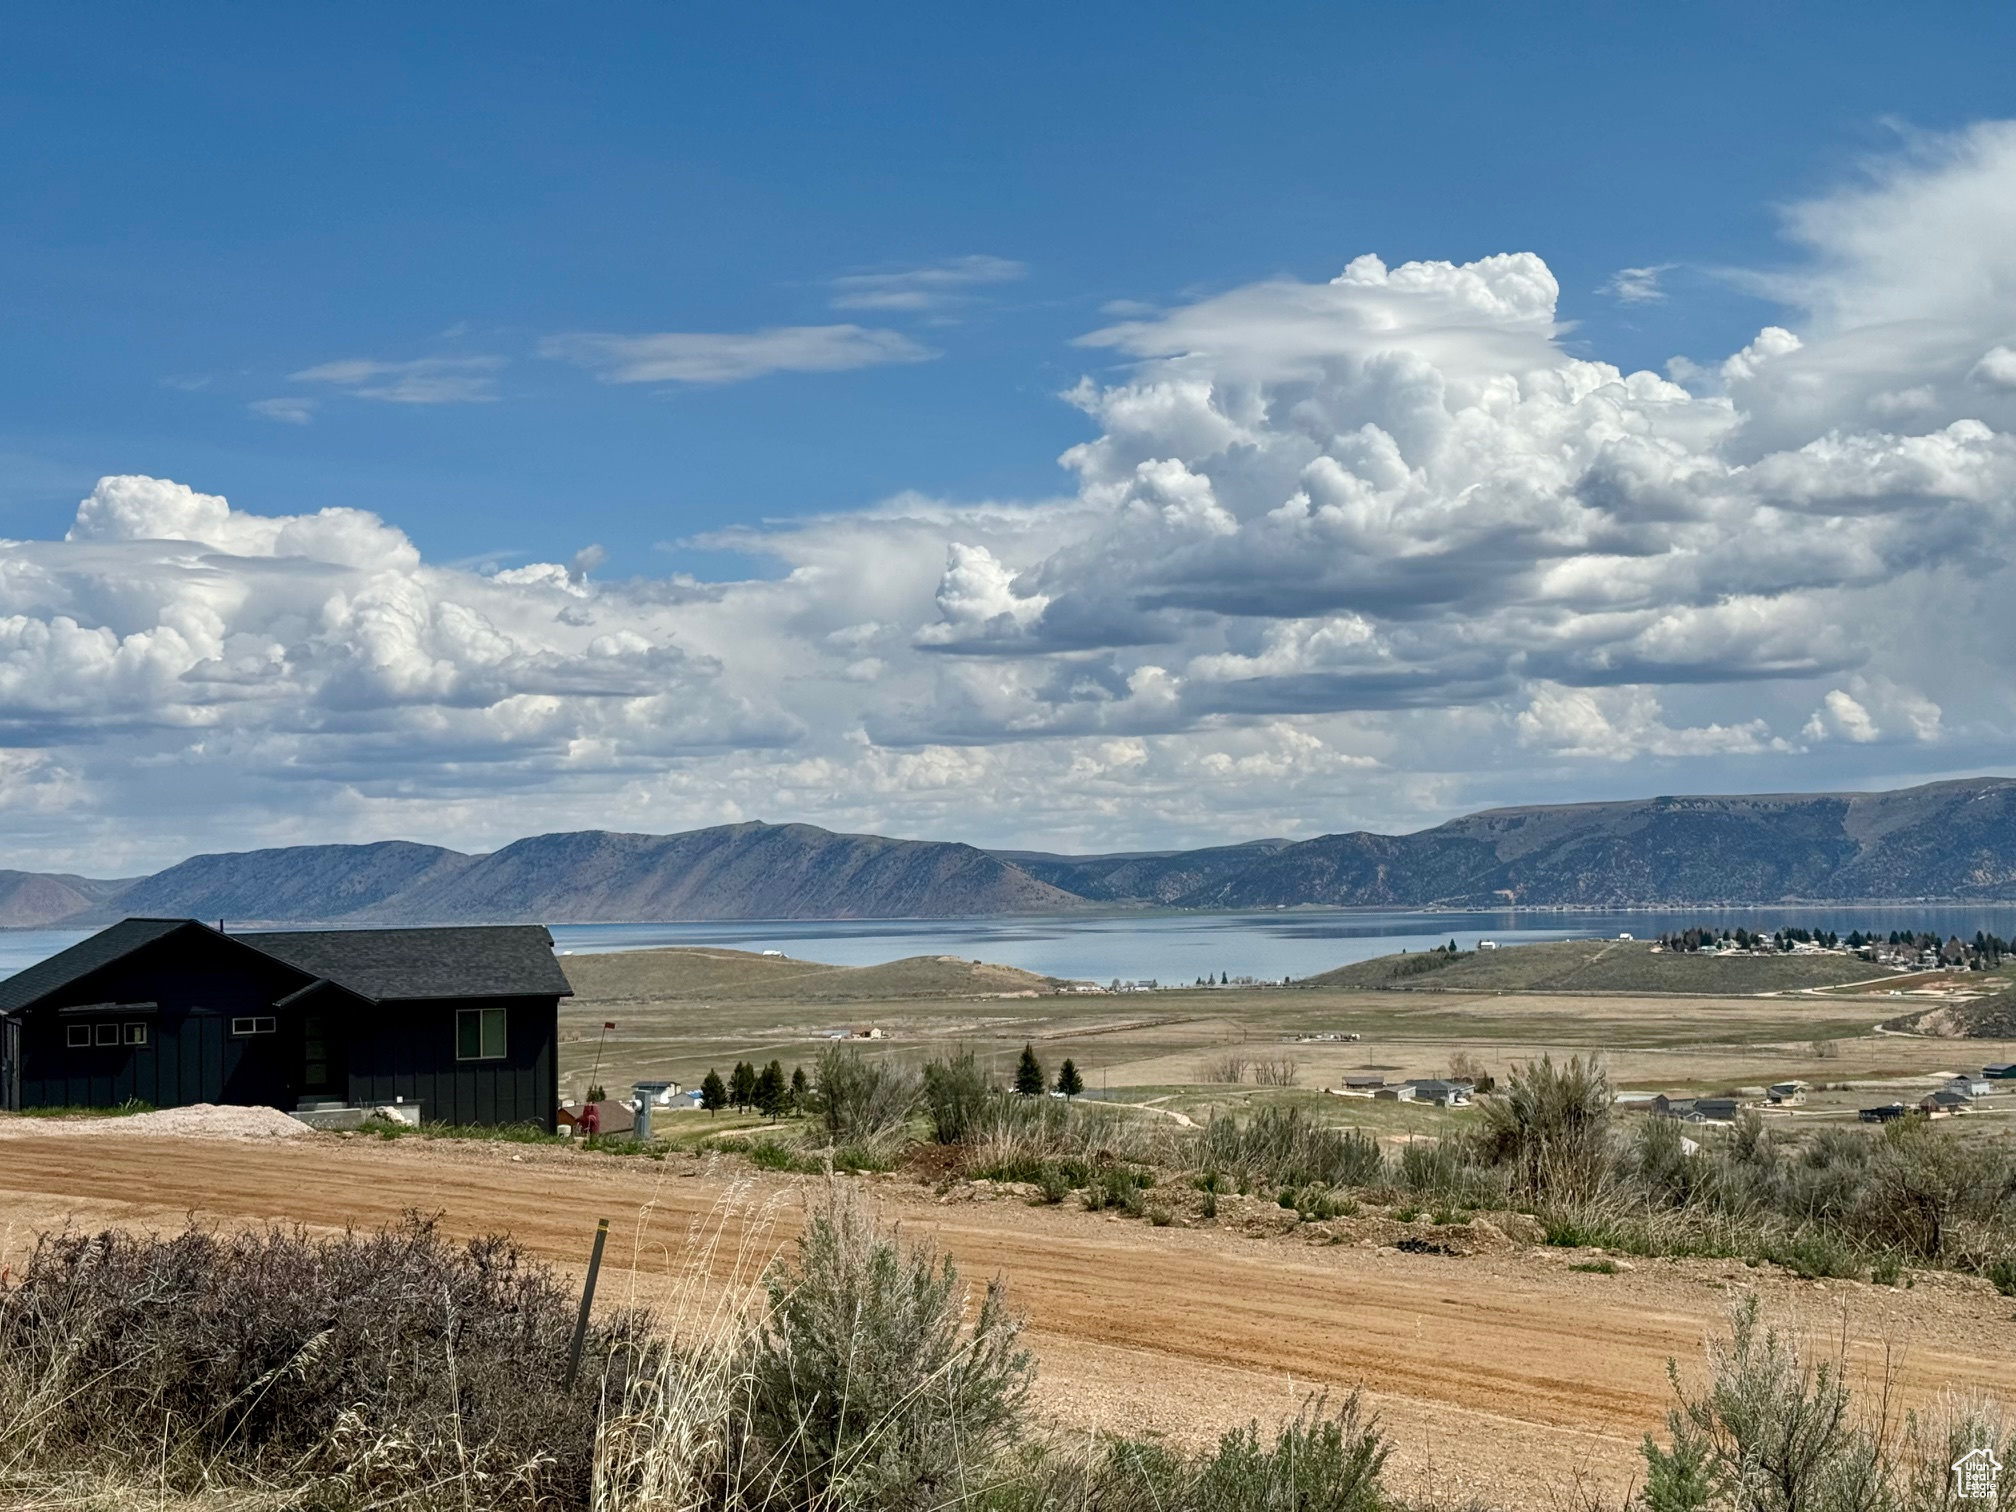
x,y
715,975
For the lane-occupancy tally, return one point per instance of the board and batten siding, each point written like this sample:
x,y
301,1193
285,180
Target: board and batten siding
x,y
407,1050
190,1055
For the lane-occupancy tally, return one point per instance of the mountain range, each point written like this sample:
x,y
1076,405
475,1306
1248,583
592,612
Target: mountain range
x,y
1947,840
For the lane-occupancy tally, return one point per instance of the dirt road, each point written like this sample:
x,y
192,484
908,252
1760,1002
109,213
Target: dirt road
x,y
1500,1375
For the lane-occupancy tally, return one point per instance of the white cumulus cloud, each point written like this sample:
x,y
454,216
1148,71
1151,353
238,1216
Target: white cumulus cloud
x,y
1359,551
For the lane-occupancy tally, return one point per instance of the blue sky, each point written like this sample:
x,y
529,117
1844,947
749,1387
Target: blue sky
x,y
204,200
664,280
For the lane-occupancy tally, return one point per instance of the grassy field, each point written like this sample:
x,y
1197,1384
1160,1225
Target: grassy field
x,y
689,975
1606,966
678,1013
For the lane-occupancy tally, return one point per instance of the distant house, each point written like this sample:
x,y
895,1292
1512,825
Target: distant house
x,y
1367,1083
462,1022
1487,944
1947,1101
1395,1094
1971,1086
1786,1092
1883,1113
1444,1094
1696,1109
2000,1071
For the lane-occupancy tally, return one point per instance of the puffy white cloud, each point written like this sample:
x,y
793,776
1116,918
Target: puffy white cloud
x,y
732,356
1362,551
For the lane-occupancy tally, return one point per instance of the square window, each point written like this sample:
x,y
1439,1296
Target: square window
x,y
77,1036
479,1034
106,1034
136,1034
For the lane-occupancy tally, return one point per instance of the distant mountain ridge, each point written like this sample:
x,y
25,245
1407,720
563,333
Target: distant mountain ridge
x,y
1947,840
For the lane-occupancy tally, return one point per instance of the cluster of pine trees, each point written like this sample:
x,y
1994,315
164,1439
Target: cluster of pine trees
x,y
1711,938
772,1094
1031,1081
768,1091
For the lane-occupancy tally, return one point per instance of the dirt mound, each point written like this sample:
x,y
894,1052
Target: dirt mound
x,y
713,975
200,1121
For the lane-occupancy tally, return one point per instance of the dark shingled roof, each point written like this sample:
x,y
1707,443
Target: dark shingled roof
x,y
495,960
83,958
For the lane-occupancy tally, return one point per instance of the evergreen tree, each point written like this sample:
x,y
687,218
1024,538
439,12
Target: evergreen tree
x,y
742,1084
1069,1082
770,1090
1029,1073
713,1092
801,1089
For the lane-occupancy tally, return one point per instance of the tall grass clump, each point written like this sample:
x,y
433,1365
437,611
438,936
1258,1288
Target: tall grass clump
x,y
1550,1128
367,1366
956,1095
1284,1146
862,1100
1034,1139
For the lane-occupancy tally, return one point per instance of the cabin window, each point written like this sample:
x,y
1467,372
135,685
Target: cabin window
x,y
106,1034
479,1034
77,1036
241,1027
136,1034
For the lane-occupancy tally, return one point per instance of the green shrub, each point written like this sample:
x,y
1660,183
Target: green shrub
x,y
769,1155
956,1094
1550,1128
2002,1271
867,1390
862,1099
1283,1146
1316,1463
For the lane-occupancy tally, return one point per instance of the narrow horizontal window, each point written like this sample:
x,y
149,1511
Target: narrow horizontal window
x,y
479,1034
136,1034
77,1036
241,1027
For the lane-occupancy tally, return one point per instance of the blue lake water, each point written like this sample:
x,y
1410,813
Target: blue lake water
x,y
1180,947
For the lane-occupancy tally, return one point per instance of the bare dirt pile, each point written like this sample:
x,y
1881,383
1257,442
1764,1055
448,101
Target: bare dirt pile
x,y
201,1121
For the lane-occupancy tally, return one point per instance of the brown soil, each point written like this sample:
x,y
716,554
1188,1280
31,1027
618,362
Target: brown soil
x,y
1501,1373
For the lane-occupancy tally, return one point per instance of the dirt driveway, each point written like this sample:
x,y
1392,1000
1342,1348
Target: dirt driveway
x,y
1499,1375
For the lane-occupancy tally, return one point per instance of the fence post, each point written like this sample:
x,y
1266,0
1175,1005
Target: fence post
x,y
587,1302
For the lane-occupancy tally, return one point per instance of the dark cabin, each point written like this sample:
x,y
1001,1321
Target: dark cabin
x,y
463,1022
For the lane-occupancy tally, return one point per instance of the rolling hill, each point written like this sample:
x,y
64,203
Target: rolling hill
x,y
1944,841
